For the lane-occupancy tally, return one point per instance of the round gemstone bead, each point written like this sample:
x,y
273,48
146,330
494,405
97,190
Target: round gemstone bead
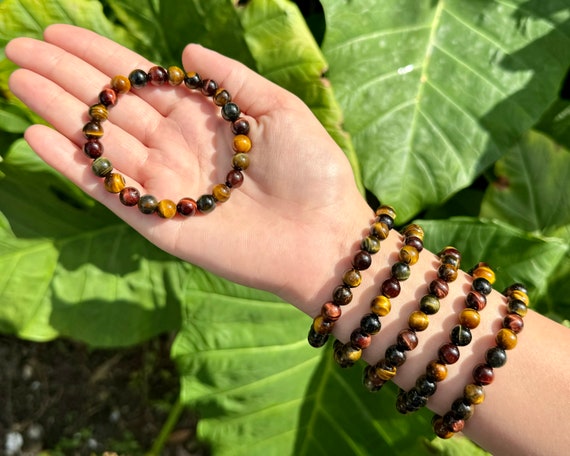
x,y
414,230
352,278
206,203
342,295
506,339
114,182
192,80
439,288
316,340
360,339
384,371
98,112
414,242
166,209
381,305
484,271
450,260
322,326
425,386
370,244
108,97
330,311
441,429
521,296
380,230
387,220
391,287
453,423
138,78
429,304
515,287
175,75
496,357
186,207
514,322
418,321
413,400
473,394
209,87
483,374
347,355
370,380
147,204
370,323
409,254
93,148
447,272
436,371
231,111
475,300
221,97
120,84
93,130
448,353
362,260
517,306
221,193
482,285
241,143
240,127
460,335
395,356
240,161
129,196
234,178
101,166
157,75
407,339
387,210
469,318
400,271
450,250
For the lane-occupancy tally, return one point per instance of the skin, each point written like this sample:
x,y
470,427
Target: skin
x,y
299,194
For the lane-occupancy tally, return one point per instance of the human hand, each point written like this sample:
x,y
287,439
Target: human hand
x,y
298,203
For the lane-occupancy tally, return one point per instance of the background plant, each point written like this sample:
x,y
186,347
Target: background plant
x,y
453,111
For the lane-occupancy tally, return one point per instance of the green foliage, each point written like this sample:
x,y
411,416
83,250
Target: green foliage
x,y
434,101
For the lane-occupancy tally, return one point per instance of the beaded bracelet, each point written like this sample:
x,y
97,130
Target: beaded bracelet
x,y
460,336
323,323
148,204
347,354
418,320
483,374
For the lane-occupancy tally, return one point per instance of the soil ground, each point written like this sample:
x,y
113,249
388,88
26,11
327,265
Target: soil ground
x,y
63,398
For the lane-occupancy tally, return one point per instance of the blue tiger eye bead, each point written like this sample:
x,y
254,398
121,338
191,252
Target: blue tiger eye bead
x,y
101,166
147,204
206,203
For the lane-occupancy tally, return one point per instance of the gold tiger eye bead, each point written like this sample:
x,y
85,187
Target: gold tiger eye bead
x,y
166,209
175,75
221,192
98,112
241,143
120,84
114,182
381,305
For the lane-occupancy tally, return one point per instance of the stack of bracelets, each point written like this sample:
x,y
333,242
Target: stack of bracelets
x,y
345,354
378,374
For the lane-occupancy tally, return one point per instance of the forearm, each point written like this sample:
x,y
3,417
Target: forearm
x,y
525,406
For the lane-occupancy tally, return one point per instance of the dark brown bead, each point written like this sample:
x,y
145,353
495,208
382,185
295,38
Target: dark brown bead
x,y
483,374
129,196
362,260
192,80
342,295
460,335
482,285
370,323
448,353
449,250
157,75
441,430
187,207
386,219
234,179
370,379
450,260
453,423
439,288
407,339
513,287
425,386
518,307
316,340
395,356
461,409
93,148
330,311
447,272
496,357
221,97
138,78
475,300
209,87
93,130
414,242
391,287
240,127
360,339
108,97
514,322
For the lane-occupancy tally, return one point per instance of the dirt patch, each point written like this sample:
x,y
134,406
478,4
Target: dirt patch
x,y
63,397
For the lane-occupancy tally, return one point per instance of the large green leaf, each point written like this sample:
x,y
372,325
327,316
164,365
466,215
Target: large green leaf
x,y
433,91
261,390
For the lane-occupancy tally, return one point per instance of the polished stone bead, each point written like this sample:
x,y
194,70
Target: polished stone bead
x,y
400,271
370,323
240,127
395,356
381,305
482,285
475,300
108,97
93,148
362,260
436,371
186,207
473,394
453,423
517,307
387,210
521,296
418,321
425,386
370,244
331,311
231,112
414,401
234,178
346,355
469,318
342,295
447,272
147,204
192,80
450,260
384,371
221,97
515,287
138,78
448,353
483,374
157,75
386,219
460,335
414,230
352,278
461,409
93,130
175,75
370,380
98,112
506,339
407,339
129,196
450,250
316,340
482,270
101,166
391,287
429,304
206,203
496,357
209,87
240,161
514,322
360,339
241,143
322,326
380,230
439,288
441,430
221,192
120,84
114,182
166,209
415,242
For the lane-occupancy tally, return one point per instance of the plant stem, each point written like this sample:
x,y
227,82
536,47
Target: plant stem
x,y
167,428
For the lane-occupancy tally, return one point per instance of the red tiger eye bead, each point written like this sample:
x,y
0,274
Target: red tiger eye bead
x,y
108,97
